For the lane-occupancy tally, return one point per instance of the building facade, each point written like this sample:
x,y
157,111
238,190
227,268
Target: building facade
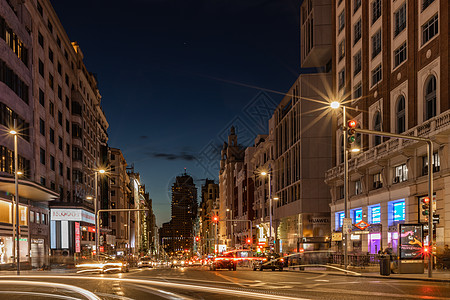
x,y
391,68
208,208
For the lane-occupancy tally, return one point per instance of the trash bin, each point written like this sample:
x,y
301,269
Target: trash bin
x,y
385,265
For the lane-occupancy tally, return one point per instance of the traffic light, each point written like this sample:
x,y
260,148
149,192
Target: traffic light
x,y
197,238
215,219
425,250
426,206
249,240
351,132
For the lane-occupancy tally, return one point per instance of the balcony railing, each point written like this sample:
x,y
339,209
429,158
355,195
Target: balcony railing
x,y
430,127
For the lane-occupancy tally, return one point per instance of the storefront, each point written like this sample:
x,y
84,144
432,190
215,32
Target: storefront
x,y
72,233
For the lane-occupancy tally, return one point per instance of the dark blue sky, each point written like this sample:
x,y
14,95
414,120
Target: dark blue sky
x,y
174,75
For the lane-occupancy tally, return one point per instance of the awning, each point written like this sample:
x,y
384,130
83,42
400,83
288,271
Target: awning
x,y
27,189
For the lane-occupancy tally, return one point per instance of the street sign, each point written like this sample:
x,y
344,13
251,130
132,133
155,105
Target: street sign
x,y
436,219
336,236
362,225
347,225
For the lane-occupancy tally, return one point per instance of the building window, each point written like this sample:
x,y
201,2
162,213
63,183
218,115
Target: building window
x,y
113,218
341,78
68,173
50,80
430,98
59,92
60,118
357,91
377,127
42,127
68,150
50,54
41,97
377,181
436,164
42,156
41,68
50,26
52,163
341,192
51,108
60,143
52,135
400,19
376,44
401,173
41,39
67,126
39,9
426,3
341,49
401,123
44,183
357,63
400,55
357,31
358,187
376,75
430,29
357,5
59,68
375,214
341,21
376,10
113,193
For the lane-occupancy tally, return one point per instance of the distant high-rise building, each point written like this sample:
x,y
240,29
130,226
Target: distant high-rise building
x,y
178,235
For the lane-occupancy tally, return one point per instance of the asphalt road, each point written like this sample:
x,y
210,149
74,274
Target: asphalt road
x,y
200,283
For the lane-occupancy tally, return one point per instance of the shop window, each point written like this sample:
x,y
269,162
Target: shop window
x,y
396,211
357,215
32,217
339,219
375,214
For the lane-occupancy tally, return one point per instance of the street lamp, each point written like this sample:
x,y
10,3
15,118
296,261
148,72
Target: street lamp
x,y
264,173
16,222
336,105
97,250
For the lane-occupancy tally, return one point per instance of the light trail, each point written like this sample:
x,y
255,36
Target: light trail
x,y
199,288
89,295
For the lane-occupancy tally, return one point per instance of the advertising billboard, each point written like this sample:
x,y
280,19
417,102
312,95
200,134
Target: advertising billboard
x,y
411,241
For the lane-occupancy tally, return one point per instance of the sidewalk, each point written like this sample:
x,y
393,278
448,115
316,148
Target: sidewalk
x,y
372,272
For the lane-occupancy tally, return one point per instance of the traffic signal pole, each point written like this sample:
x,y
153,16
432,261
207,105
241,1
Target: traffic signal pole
x,y
430,180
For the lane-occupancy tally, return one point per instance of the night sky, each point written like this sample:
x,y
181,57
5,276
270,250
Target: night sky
x,y
174,75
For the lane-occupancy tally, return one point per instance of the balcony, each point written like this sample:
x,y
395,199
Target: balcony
x,y
434,128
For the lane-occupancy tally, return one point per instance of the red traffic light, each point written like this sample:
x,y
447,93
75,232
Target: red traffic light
x,y
352,124
426,200
197,238
426,250
215,219
249,241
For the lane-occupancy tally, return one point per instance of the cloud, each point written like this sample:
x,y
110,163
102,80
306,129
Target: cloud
x,y
143,137
173,156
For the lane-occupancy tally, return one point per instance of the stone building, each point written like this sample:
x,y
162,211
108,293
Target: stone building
x,y
391,67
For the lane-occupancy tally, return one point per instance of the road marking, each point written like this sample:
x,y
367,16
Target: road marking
x,y
34,294
322,280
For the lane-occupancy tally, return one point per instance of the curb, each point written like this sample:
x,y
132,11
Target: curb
x,y
375,276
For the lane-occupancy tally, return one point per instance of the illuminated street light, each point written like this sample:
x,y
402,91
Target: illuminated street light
x,y
335,104
16,224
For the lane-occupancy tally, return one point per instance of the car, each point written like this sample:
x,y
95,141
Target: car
x,y
119,265
225,261
145,262
271,261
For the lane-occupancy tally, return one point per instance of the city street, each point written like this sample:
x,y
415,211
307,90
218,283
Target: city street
x,y
200,283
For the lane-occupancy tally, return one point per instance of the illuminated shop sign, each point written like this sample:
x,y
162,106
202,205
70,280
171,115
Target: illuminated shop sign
x,y
376,214
399,211
61,214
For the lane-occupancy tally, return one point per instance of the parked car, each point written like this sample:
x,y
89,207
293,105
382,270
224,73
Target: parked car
x,y
145,262
271,261
225,261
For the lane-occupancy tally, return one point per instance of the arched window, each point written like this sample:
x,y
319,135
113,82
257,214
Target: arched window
x,y
401,123
341,150
377,127
430,98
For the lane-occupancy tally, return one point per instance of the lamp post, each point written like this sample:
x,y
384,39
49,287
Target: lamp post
x,y
97,250
232,228
270,206
336,105
16,222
